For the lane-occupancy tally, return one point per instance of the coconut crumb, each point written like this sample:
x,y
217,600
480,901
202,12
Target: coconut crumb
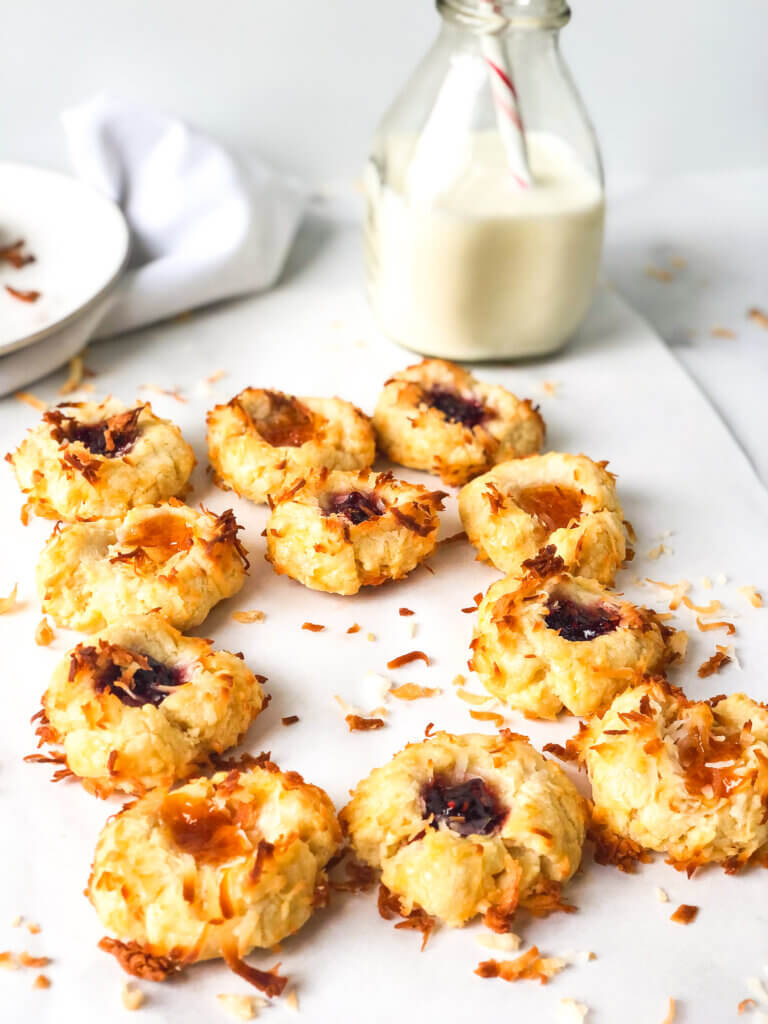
x,y
662,895
7,604
706,583
721,580
413,629
578,957
757,316
412,691
34,929
550,387
371,637
671,1012
656,553
569,1011
754,598
292,1001
254,615
473,698
29,399
722,332
459,680
354,628
240,1007
8,960
41,981
506,942
44,634
17,921
132,997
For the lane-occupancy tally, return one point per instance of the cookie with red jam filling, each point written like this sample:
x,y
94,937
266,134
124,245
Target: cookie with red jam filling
x,y
436,416
338,531
88,460
139,705
469,824
551,641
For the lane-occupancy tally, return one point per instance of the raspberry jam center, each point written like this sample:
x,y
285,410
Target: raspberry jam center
x,y
150,685
355,506
576,622
469,808
455,408
109,438
554,507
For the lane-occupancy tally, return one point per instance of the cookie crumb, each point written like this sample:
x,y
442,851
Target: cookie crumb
x,y
254,615
131,996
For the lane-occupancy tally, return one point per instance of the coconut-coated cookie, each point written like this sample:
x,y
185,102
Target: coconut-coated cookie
x,y
338,531
686,778
438,417
167,557
551,640
90,460
261,440
215,868
568,501
466,825
142,706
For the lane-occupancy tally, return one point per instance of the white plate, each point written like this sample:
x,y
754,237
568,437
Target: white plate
x,y
80,243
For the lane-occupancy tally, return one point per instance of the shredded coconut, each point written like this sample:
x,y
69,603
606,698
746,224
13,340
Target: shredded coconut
x,y
132,997
507,942
568,1011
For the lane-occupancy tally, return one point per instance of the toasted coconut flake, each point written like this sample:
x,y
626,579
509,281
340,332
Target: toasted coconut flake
x,y
239,1006
292,1000
135,960
754,598
41,981
530,965
622,852
472,698
8,960
656,553
254,615
678,591
722,332
413,629
505,942
487,716
131,996
357,723
707,627
659,274
685,914
757,316
661,895
27,960
418,920
745,1005
17,921
216,375
23,296
706,583
354,628
34,929
671,1012
412,691
29,399
405,611
406,659
569,1011
176,395
453,538
550,387
458,680
713,664
313,627
702,609
290,720
75,376
44,635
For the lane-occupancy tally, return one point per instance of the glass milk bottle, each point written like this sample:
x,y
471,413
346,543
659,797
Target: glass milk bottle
x,y
484,191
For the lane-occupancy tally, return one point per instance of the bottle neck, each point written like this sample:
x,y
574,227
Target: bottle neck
x,y
499,16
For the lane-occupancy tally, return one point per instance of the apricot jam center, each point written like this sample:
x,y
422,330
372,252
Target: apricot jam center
x,y
553,506
469,808
355,506
576,621
161,536
288,424
199,827
150,685
457,409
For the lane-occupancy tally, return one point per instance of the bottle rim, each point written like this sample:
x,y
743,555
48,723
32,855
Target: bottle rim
x,y
493,16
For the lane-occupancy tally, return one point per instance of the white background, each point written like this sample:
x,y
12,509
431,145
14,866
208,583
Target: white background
x,y
672,85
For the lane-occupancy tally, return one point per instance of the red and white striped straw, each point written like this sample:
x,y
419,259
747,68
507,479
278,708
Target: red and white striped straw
x,y
505,102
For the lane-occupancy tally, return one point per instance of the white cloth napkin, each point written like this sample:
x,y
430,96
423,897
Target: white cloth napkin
x,y
205,226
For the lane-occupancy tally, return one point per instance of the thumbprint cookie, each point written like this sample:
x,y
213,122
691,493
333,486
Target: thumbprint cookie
x,y
338,531
143,706
261,440
215,868
682,777
551,641
91,460
468,825
168,558
438,417
515,509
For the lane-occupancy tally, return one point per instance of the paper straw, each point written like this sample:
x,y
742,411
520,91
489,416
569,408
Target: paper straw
x,y
508,118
